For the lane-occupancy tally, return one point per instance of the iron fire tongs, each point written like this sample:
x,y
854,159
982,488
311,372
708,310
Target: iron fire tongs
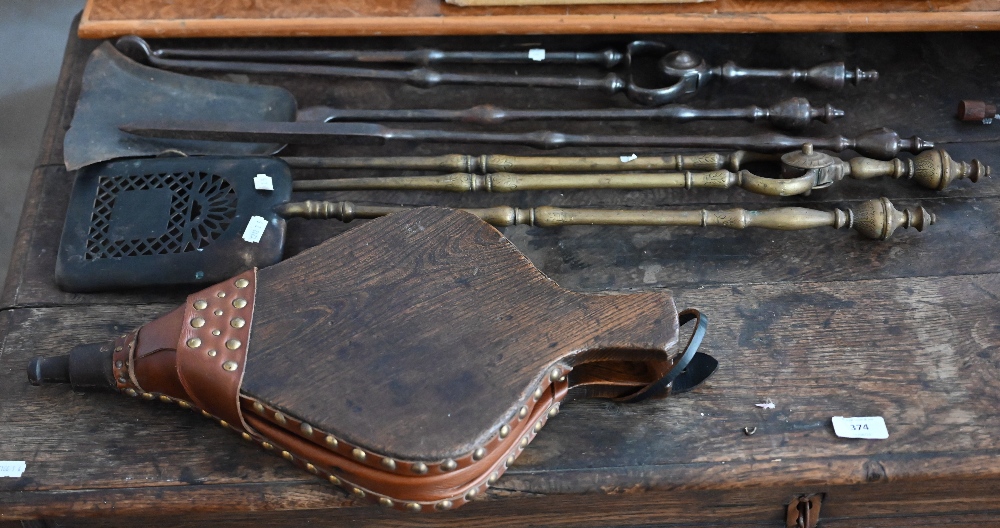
x,y
683,72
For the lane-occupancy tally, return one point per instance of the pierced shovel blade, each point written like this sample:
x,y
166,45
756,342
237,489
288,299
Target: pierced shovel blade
x,y
116,90
167,221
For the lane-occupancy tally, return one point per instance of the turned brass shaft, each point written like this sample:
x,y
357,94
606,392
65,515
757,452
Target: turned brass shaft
x,y
491,163
876,219
510,182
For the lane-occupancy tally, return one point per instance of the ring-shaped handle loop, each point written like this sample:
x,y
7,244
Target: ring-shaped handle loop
x,y
700,370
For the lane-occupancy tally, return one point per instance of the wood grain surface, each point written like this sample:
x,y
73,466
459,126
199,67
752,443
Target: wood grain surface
x,y
419,335
821,323
232,18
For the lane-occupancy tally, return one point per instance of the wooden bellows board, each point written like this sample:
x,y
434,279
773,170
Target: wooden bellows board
x,y
410,360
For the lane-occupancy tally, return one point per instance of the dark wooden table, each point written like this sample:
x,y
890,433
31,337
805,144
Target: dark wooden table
x,y
822,323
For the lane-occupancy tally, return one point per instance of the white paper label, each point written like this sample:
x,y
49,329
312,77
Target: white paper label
x,y
626,159
262,182
11,468
255,229
536,54
870,427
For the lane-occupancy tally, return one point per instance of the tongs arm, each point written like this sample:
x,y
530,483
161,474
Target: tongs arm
x,y
511,182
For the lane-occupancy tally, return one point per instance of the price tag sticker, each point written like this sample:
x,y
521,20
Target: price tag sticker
x,y
626,159
255,229
263,182
12,468
536,54
868,427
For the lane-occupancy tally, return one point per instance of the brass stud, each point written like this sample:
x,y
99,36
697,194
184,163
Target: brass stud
x,y
121,379
242,283
419,468
524,442
306,429
233,344
331,441
538,426
562,379
448,465
334,480
358,454
471,494
258,407
311,468
131,392
554,411
504,431
194,342
230,366
183,404
237,322
221,294
166,399
280,418
523,412
443,505
412,507
239,303
119,363
389,464
385,502
207,414
218,312
213,352
538,393
359,492
510,461
267,445
478,454
554,375
224,423
493,478
287,456
118,349
148,396
197,322
200,304
216,332
246,436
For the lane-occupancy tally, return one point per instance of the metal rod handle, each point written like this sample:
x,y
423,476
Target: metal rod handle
x,y
510,182
793,113
608,58
828,76
875,219
491,163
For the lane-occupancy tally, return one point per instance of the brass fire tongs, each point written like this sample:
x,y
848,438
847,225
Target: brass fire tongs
x,y
802,171
683,71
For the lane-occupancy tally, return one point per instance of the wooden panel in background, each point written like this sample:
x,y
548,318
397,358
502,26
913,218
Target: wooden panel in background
x,y
232,18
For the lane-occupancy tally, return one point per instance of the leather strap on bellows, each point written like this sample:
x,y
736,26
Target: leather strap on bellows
x,y
664,386
212,347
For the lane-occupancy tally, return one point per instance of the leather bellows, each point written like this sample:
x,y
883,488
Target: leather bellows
x,y
408,361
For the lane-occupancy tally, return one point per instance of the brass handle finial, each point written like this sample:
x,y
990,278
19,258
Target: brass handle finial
x,y
877,219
